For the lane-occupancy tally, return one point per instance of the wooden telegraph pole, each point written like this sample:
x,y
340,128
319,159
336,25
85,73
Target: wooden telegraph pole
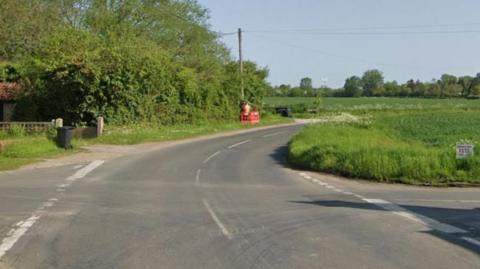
x,y
240,58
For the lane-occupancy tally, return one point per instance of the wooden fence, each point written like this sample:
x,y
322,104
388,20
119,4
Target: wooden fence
x,y
30,127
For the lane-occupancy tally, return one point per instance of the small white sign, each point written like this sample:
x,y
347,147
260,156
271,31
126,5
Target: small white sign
x,y
464,151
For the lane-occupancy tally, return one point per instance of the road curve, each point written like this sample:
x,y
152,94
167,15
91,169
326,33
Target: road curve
x,y
231,202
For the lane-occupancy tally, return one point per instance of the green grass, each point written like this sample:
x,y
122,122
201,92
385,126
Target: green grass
x,y
407,147
367,104
25,150
139,134
28,149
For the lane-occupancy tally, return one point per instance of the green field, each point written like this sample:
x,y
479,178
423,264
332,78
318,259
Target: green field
x,y
372,103
408,147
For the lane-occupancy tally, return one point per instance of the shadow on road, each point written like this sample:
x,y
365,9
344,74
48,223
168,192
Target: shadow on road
x,y
279,155
467,219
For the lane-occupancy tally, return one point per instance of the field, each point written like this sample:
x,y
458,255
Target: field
x,y
399,145
366,104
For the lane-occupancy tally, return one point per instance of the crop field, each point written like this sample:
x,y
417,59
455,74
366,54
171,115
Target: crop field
x,y
415,147
371,103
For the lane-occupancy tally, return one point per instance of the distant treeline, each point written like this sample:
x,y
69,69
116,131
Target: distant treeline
x,y
372,84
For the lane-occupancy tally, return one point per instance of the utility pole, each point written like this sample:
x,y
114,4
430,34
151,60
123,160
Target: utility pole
x,y
240,58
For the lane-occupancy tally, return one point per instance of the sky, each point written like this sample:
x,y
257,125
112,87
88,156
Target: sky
x,y
330,40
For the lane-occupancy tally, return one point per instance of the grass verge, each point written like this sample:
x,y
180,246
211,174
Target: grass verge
x,y
147,133
23,149
412,148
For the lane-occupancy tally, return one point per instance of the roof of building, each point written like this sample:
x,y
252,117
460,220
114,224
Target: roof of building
x,y
9,91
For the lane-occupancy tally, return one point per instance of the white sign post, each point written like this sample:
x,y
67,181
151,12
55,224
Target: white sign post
x,y
464,151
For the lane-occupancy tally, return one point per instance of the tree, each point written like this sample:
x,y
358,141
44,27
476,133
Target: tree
x,y
391,88
23,23
353,87
446,84
306,83
372,81
468,83
127,60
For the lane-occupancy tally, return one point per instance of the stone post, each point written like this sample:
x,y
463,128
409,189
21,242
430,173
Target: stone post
x,y
58,123
100,125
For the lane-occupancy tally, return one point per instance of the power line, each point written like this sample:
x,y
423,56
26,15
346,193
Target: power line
x,y
322,52
383,33
224,34
421,26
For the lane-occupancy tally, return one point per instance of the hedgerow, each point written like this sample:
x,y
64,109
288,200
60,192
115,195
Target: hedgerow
x,y
129,63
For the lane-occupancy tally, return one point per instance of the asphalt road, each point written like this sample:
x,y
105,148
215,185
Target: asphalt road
x,y
228,202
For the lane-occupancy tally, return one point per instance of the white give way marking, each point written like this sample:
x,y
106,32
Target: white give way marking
x,y
400,211
23,226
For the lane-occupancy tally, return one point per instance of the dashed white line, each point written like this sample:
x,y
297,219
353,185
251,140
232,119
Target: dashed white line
x,y
398,210
197,176
472,241
15,233
211,156
239,143
21,227
215,218
274,134
85,171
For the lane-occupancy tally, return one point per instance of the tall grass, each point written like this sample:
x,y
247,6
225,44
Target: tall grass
x,y
409,148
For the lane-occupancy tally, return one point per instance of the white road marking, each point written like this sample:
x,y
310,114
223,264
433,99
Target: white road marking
x,y
197,177
85,171
401,211
15,233
239,143
21,227
220,225
274,134
437,200
211,156
472,240
398,210
77,166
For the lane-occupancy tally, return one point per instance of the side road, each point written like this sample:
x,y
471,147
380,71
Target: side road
x,y
109,152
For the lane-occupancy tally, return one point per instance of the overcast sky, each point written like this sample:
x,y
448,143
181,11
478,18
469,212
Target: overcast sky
x,y
331,40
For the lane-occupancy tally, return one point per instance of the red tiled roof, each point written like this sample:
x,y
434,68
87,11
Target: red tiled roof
x,y
9,91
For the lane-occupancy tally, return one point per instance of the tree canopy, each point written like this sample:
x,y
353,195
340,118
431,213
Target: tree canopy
x,y
126,60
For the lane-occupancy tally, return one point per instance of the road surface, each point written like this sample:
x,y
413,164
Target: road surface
x,y
228,202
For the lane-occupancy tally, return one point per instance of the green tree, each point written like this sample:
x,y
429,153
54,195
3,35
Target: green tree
x,y
372,81
447,83
392,88
306,83
353,87
23,23
468,83
128,60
